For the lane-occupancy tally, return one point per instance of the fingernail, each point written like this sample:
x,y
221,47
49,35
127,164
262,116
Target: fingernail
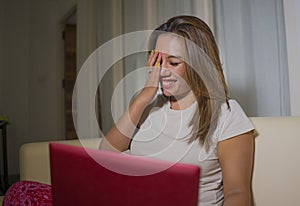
x,y
152,51
158,64
156,51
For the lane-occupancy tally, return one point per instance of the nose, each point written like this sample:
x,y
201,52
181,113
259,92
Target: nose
x,y
164,72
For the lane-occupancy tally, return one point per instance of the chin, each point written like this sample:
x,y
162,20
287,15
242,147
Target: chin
x,y
168,93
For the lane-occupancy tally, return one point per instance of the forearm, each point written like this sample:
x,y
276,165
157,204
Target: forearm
x,y
119,136
238,198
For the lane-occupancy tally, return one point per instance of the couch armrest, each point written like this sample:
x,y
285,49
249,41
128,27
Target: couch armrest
x,y
35,159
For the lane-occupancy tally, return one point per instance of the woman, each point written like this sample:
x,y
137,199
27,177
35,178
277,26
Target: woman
x,y
193,114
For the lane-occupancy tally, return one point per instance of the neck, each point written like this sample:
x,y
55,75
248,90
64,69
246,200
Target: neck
x,y
180,103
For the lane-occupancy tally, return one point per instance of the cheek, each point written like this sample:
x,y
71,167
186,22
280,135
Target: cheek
x,y
180,73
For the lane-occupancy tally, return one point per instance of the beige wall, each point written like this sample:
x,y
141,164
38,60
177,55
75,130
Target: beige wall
x,y
1,51
15,75
31,74
45,80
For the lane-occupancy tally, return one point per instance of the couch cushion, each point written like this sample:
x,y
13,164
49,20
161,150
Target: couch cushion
x,y
276,175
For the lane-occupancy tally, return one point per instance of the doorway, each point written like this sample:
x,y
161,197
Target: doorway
x,y
70,72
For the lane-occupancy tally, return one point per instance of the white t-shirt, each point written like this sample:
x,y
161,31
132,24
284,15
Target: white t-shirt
x,y
163,135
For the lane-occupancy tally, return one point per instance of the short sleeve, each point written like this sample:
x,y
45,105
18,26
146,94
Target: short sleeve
x,y
233,121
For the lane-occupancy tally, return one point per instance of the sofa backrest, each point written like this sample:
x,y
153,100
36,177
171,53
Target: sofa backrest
x,y
276,174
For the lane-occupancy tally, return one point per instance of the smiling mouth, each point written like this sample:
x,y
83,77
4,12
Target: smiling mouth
x,y
167,84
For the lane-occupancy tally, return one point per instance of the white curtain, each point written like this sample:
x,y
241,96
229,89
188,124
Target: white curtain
x,y
251,38
292,28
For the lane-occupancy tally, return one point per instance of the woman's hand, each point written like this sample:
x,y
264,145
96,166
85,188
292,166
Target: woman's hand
x,y
149,91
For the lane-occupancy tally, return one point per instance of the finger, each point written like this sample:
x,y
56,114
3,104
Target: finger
x,y
152,58
155,64
154,75
158,60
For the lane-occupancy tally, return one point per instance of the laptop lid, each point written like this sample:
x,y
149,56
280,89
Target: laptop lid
x,y
79,179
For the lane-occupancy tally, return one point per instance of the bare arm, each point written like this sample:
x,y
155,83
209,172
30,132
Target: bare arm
x,y
236,159
118,138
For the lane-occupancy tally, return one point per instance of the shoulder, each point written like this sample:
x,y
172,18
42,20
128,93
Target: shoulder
x,y
234,106
232,110
233,121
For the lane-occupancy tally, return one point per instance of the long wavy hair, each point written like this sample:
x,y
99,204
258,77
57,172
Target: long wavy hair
x,y
209,106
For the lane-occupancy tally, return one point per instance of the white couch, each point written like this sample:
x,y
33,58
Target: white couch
x,y
276,174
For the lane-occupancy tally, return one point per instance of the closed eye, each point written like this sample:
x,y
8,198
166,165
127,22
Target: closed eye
x,y
174,64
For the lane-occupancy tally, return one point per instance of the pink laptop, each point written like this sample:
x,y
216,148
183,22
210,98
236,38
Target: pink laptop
x,y
78,180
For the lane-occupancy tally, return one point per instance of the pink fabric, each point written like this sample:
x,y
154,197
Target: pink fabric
x,y
28,193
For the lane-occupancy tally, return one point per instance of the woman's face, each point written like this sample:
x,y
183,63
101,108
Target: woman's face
x,y
173,76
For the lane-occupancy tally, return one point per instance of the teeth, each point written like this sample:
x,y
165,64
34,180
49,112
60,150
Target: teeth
x,y
168,82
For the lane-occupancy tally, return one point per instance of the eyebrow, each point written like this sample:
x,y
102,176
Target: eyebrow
x,y
173,56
